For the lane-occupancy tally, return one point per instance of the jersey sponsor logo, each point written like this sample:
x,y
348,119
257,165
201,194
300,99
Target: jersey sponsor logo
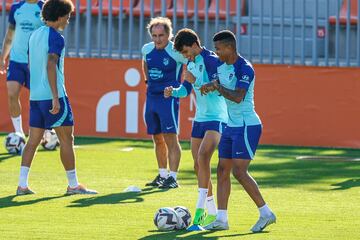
x,y
231,75
168,128
27,26
166,61
245,78
155,73
214,76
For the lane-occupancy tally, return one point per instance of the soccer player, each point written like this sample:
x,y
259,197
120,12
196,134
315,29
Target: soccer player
x,y
210,117
162,67
24,18
49,104
240,138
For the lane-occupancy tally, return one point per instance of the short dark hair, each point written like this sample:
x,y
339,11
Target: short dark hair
x,y
185,37
226,37
53,9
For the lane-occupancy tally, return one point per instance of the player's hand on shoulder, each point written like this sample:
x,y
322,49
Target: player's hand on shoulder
x,y
55,106
168,91
188,76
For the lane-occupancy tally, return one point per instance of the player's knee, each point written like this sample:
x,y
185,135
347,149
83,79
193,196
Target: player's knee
x,y
158,140
13,96
239,174
66,140
204,155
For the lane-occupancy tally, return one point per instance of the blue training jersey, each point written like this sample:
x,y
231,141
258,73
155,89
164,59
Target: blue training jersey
x,y
164,67
26,18
43,41
240,75
210,107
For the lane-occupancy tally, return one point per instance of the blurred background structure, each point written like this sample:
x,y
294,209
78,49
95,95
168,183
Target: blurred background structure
x,y
301,32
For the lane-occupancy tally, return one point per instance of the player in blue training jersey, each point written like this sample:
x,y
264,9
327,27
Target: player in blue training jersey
x,y
210,117
24,18
162,67
240,138
49,104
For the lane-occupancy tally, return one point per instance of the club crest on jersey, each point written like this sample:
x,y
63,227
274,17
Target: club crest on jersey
x,y
166,61
231,76
200,68
245,77
37,14
214,76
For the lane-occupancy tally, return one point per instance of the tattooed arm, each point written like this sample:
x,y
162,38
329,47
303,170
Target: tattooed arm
x,y
236,95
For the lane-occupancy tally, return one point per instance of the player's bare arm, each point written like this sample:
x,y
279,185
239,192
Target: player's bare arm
x,y
6,47
145,70
188,76
236,95
51,71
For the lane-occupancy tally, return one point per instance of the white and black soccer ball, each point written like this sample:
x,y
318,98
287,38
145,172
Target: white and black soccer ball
x,y
50,140
184,217
166,219
14,143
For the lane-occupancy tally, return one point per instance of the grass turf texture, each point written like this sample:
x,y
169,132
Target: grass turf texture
x,y
312,199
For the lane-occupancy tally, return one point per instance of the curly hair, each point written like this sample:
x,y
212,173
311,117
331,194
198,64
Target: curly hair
x,y
53,9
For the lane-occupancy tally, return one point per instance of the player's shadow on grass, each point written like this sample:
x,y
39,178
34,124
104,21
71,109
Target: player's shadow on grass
x,y
115,198
346,184
185,145
10,201
159,235
4,156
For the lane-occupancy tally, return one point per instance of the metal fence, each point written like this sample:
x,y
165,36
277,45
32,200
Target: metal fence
x,y
305,32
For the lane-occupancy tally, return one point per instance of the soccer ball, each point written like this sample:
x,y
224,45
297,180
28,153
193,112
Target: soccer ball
x,y
14,143
166,219
50,140
184,217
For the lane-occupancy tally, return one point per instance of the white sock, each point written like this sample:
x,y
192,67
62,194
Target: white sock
x,y
202,198
24,177
72,178
17,123
222,215
163,172
210,205
173,174
265,211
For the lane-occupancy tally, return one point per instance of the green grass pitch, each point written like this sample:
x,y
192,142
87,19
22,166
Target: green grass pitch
x,y
313,199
